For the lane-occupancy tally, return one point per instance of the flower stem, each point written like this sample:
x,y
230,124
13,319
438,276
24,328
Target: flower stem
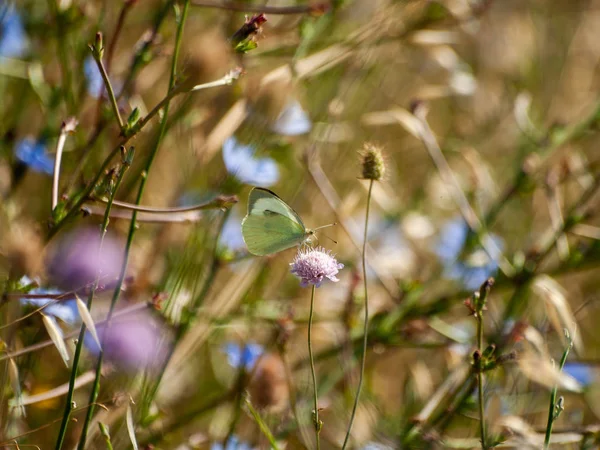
x,y
552,407
69,400
481,405
132,225
316,420
366,324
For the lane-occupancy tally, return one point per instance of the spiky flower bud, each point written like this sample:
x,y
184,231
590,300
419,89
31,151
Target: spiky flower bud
x,y
373,166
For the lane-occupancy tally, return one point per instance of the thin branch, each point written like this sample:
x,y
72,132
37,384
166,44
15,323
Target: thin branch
x,y
97,54
278,10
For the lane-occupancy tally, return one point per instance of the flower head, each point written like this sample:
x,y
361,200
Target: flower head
x,y
93,78
373,166
292,121
243,356
471,269
241,163
33,154
13,40
312,265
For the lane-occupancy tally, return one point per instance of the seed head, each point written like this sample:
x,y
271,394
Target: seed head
x,y
312,265
373,166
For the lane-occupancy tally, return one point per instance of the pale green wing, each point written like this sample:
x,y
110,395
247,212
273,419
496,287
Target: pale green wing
x,y
265,200
270,225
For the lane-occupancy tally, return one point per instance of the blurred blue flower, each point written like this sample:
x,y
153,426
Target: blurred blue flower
x,y
65,310
33,154
13,40
376,446
581,372
244,356
232,444
231,235
241,163
292,121
93,78
476,267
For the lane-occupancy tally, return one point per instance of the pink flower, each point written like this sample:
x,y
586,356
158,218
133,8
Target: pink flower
x,y
311,265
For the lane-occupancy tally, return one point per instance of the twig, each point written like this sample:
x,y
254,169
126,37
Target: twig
x,y
241,7
84,196
97,52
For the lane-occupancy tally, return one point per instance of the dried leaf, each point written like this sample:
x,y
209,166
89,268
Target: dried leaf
x,y
13,372
86,317
56,335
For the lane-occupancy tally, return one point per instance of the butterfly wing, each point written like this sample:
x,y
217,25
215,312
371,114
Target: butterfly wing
x,y
270,225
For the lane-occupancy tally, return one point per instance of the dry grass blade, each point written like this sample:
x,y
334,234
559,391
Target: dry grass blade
x,y
131,427
86,317
56,336
557,308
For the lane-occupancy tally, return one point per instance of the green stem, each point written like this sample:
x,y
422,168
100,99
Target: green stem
x,y
109,89
133,225
262,425
69,400
552,406
316,421
480,381
366,324
96,385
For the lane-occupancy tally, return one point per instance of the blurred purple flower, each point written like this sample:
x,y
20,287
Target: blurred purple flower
x,y
93,78
134,342
312,265
241,163
13,40
78,258
243,356
476,267
292,121
233,443
583,373
33,154
65,310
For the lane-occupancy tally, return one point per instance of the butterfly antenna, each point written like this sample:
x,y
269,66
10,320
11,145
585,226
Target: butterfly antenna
x,y
325,226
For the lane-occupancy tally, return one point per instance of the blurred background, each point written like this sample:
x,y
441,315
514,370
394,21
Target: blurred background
x,y
486,113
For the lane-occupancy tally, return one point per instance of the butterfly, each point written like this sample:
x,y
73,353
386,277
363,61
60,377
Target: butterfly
x,y
271,225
